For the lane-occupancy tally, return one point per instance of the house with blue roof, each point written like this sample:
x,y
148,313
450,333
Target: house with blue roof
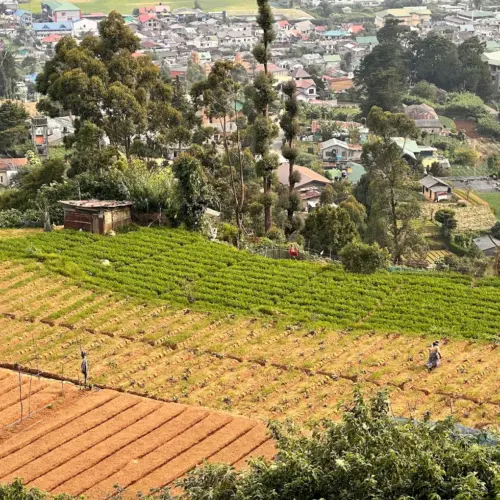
x,y
23,18
43,29
336,34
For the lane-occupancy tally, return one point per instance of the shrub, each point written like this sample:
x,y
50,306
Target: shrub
x,y
463,105
329,229
489,127
361,258
229,233
495,230
13,218
367,455
276,234
463,265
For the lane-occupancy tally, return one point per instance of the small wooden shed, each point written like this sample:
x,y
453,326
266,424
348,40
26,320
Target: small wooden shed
x,y
96,216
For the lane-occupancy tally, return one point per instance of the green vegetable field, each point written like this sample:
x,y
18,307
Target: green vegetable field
x,y
185,270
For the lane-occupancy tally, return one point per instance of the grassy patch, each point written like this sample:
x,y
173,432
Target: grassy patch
x,y
127,7
447,123
493,200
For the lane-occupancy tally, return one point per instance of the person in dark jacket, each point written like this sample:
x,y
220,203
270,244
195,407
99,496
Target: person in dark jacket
x,y
434,356
84,368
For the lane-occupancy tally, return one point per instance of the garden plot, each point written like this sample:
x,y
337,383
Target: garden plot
x,y
85,442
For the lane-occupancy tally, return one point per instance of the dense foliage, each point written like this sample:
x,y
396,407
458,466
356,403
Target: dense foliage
x,y
361,258
185,269
402,59
367,455
14,131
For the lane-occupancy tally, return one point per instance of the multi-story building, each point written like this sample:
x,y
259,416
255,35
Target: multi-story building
x,y
408,16
493,60
60,12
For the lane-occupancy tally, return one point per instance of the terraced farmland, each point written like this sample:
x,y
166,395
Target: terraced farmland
x,y
254,365
182,269
87,442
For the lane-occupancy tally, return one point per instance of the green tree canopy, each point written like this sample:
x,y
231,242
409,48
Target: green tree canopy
x,y
193,194
329,229
366,455
14,130
99,81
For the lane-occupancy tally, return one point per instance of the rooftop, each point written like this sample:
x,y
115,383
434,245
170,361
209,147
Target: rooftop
x,y
306,175
96,203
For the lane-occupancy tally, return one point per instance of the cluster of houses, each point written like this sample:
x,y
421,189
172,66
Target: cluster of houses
x,y
175,37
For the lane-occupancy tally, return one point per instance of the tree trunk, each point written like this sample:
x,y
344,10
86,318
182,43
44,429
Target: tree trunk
x,y
291,187
238,201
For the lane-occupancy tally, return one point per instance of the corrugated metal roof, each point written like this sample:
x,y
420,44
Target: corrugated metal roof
x,y
96,203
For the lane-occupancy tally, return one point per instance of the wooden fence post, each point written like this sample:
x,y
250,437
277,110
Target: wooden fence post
x,y
20,390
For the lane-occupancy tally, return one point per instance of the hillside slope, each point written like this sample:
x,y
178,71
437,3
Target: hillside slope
x,y
185,270
87,442
263,367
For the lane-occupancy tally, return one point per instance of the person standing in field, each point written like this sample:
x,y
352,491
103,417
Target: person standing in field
x,y
84,368
434,356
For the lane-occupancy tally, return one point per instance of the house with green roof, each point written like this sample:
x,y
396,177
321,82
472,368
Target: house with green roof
x,y
332,61
493,60
60,12
367,40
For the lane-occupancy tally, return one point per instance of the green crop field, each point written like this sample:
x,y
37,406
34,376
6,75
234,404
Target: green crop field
x,y
246,7
493,200
185,270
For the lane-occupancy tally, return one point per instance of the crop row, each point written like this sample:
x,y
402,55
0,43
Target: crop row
x,y
182,268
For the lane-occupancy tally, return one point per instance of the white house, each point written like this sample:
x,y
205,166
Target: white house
x,y
305,27
306,90
60,12
9,168
336,150
23,18
85,27
206,42
236,39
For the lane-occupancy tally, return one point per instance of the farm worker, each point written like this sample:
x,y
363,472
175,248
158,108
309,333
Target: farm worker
x,y
294,252
84,367
434,356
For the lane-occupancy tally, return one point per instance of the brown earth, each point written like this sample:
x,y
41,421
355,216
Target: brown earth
x,y
85,442
253,367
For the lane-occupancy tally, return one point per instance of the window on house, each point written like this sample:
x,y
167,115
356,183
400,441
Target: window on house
x,y
311,91
1,179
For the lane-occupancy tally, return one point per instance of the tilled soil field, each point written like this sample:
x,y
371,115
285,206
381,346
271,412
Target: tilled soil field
x,y
268,369
86,442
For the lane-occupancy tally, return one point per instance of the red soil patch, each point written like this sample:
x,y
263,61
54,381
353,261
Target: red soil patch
x,y
85,442
468,127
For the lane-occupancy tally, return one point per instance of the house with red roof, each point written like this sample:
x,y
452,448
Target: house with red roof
x,y
353,28
305,90
51,39
282,25
155,9
9,167
148,22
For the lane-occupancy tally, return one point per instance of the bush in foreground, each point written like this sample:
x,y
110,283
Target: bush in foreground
x,y
368,455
